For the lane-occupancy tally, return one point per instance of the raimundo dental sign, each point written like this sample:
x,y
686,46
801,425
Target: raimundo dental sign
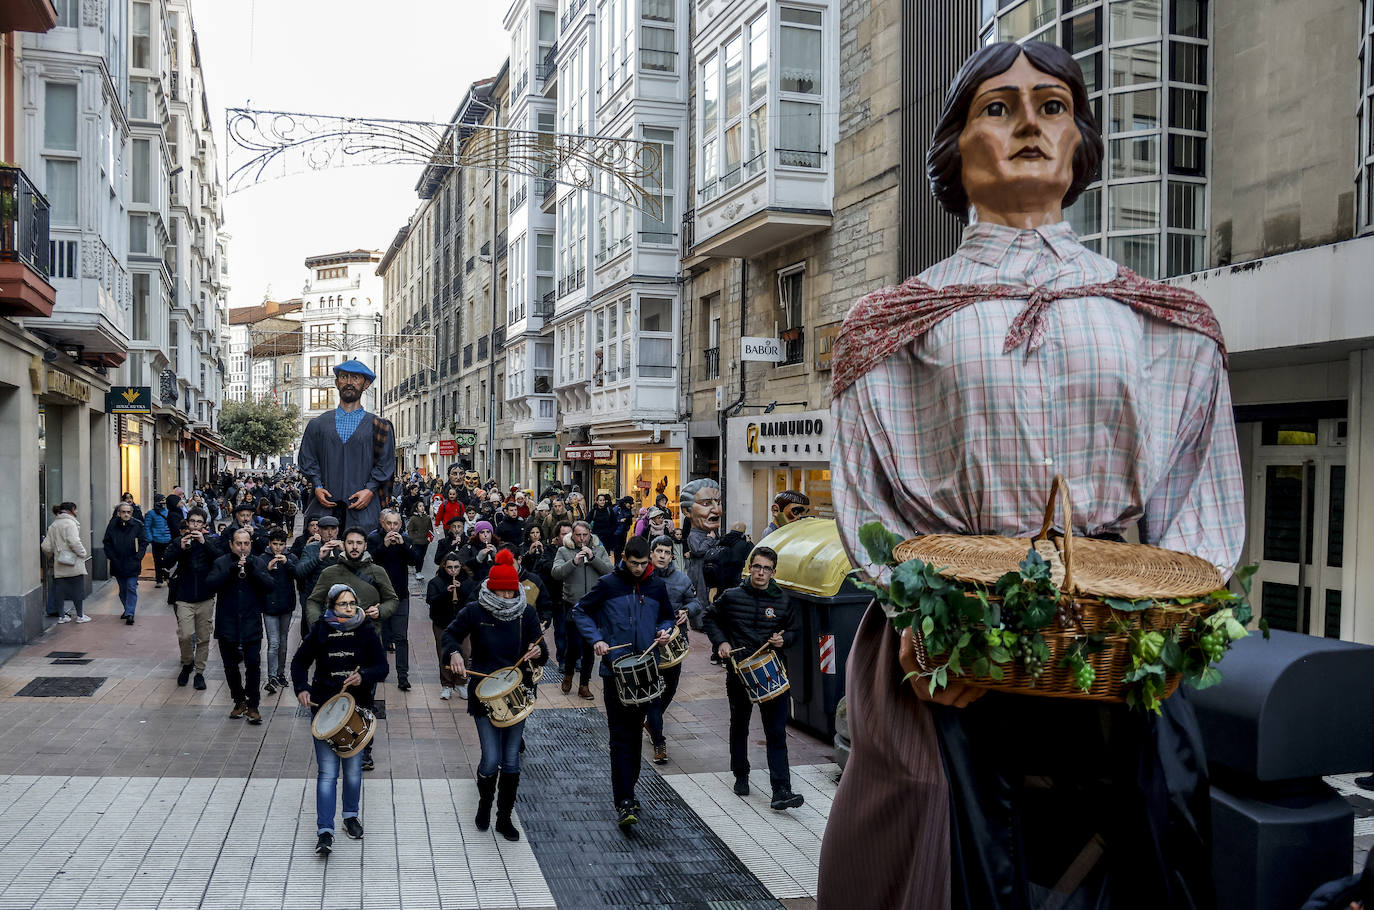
x,y
793,437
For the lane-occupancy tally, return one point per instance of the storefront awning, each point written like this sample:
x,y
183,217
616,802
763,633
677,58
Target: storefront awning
x,y
214,443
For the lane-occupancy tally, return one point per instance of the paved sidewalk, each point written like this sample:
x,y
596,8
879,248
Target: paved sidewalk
x,y
144,794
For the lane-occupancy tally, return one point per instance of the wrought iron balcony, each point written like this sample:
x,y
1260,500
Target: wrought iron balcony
x,y
793,345
482,348
543,307
712,362
24,247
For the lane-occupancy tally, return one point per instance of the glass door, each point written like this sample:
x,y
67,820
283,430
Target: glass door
x,y
1297,523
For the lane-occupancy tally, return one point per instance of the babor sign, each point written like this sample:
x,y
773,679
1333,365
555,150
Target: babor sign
x,y
768,350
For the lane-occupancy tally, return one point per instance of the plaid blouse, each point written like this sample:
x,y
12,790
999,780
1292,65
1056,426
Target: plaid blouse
x,y
950,435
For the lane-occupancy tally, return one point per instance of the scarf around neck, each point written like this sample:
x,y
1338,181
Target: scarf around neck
x,y
501,608
344,625
887,320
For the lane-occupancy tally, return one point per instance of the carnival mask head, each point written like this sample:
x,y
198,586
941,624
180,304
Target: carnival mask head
x,y
700,502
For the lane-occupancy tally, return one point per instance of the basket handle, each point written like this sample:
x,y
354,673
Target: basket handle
x,y
1059,492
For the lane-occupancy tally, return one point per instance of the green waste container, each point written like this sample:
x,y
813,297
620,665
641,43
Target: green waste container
x,y
814,570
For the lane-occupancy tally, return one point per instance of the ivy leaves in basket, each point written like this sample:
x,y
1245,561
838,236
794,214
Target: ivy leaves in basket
x,y
981,632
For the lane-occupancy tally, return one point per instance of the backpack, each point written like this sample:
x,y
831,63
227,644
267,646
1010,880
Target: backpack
x,y
715,567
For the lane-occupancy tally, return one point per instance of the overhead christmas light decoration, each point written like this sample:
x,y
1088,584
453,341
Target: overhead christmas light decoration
x,y
268,145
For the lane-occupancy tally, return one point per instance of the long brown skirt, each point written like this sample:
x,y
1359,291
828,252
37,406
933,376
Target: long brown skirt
x,y
887,841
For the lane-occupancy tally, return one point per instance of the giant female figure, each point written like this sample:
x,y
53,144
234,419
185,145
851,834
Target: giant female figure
x,y
957,396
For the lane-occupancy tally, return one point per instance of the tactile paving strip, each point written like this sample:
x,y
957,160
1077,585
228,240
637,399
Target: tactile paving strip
x,y
670,859
56,686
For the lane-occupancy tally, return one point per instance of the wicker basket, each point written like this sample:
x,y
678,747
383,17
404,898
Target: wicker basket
x,y
1086,570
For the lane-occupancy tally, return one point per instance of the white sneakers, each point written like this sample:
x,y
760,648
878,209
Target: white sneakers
x,y
65,617
462,690
83,618
446,693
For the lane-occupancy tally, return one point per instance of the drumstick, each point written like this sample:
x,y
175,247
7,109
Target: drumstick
x,y
618,647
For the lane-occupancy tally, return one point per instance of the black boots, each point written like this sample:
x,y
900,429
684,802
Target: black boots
x,y
486,791
505,801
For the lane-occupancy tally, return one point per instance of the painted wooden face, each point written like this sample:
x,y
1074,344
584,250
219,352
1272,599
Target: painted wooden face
x,y
1019,140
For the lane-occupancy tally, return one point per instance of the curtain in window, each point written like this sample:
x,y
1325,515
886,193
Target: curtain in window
x,y
800,68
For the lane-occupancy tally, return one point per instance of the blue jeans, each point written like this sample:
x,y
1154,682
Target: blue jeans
x,y
278,627
500,747
327,782
128,593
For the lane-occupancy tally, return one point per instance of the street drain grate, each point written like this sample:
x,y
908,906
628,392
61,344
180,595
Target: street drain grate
x,y
54,686
66,654
71,661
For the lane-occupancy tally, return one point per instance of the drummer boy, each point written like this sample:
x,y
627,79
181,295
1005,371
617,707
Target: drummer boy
x,y
346,652
746,620
624,614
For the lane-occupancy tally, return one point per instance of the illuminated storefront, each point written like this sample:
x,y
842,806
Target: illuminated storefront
x,y
774,452
647,474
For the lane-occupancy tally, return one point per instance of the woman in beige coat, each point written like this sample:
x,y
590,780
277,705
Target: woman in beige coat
x,y
63,544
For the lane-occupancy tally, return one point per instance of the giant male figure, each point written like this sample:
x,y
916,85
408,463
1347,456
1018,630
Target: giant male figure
x,y
347,455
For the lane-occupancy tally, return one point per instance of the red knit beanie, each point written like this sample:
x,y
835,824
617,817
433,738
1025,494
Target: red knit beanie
x,y
503,575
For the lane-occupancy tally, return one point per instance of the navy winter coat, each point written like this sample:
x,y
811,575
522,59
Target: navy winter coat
x,y
621,609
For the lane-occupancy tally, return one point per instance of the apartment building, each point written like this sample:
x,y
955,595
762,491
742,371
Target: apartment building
x,y
408,286
622,71
341,319
265,346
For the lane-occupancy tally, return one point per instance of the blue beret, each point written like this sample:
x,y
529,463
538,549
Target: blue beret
x,y
355,366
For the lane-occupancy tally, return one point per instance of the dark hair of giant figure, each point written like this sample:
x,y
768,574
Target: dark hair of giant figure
x,y
943,166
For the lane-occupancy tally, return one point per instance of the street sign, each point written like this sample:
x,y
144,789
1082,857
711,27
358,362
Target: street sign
x,y
134,399
543,450
448,448
767,350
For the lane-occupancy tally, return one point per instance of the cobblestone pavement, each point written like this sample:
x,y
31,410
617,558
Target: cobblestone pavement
x,y
143,794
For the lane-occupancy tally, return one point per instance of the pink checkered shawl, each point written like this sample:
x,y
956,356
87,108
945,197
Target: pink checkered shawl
x,y
886,320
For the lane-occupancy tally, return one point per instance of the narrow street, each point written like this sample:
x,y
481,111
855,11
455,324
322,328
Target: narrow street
x,y
127,791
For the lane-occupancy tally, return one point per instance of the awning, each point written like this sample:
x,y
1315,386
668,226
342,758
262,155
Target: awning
x,y
214,443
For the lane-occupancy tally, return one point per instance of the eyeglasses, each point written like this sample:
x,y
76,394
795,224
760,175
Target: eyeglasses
x,y
758,568
345,603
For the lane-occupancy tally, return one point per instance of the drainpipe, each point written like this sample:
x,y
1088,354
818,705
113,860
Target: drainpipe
x,y
724,463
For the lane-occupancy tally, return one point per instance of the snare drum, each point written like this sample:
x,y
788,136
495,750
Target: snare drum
x,y
764,676
506,697
636,679
673,651
344,724
536,673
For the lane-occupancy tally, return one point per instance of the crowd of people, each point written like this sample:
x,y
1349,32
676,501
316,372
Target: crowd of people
x,y
506,567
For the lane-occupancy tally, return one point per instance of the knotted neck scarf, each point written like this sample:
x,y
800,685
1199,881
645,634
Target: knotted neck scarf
x,y
501,608
886,320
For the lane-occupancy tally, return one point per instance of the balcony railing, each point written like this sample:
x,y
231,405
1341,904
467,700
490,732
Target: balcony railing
x,y
23,222
654,61
573,9
517,198
793,345
482,348
501,244
543,307
549,187
712,362
467,355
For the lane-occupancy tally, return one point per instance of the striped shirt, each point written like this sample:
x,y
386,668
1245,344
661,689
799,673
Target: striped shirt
x,y
950,435
345,422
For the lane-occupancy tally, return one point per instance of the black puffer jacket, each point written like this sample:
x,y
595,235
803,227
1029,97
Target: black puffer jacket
x,y
238,599
746,617
193,564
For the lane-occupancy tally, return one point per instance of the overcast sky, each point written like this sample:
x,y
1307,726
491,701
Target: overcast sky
x,y
403,59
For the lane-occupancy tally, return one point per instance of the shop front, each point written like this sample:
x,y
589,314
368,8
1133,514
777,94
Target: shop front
x,y
648,473
775,452
543,455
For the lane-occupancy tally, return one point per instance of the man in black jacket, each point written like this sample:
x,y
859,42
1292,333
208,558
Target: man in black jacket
x,y
280,565
240,584
744,619
193,555
244,518
125,543
393,553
